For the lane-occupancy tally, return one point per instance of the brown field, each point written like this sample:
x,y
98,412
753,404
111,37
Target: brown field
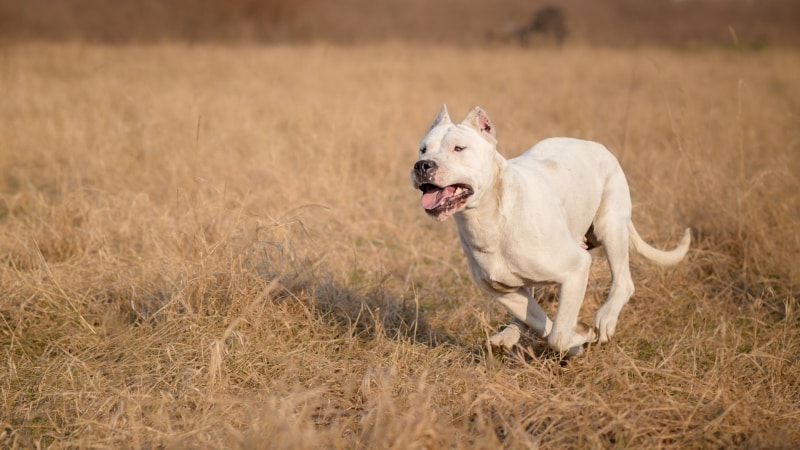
x,y
219,247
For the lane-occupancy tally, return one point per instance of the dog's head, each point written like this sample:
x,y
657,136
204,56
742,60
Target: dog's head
x,y
455,165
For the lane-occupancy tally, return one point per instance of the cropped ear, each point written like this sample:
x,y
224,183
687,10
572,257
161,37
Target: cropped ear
x,y
442,118
479,120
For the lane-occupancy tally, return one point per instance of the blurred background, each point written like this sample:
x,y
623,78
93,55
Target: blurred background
x,y
621,23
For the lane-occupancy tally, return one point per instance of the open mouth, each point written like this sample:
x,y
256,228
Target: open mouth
x,y
442,202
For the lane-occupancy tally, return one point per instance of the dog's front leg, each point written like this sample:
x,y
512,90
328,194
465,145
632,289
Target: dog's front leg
x,y
509,336
526,312
568,335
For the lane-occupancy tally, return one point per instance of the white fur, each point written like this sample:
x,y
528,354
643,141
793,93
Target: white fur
x,y
526,223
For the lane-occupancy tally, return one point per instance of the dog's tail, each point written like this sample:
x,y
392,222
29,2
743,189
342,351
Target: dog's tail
x,y
660,257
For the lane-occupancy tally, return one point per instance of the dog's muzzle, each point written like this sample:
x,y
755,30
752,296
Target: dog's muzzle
x,y
439,202
425,170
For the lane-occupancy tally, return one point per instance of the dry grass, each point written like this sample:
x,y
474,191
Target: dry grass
x,y
219,247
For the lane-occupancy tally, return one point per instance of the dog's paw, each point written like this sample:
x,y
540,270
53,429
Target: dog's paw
x,y
507,338
570,343
573,352
590,333
606,325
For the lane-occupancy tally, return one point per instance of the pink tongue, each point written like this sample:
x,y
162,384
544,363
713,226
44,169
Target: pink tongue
x,y
434,198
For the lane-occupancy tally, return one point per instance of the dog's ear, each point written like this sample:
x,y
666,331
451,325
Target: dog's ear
x,y
479,120
442,118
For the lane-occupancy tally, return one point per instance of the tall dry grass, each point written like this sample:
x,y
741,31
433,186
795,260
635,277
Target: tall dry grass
x,y
219,247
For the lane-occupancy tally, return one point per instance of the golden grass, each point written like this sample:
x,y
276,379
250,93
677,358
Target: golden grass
x,y
219,247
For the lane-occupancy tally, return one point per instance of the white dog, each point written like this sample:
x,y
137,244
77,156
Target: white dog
x,y
531,219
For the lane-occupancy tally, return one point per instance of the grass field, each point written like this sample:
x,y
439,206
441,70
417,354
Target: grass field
x,y
219,247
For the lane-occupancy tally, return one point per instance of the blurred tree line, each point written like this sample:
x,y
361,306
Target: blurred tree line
x,y
678,23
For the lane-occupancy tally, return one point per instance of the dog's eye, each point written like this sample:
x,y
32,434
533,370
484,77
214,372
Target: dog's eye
x,y
423,149
459,148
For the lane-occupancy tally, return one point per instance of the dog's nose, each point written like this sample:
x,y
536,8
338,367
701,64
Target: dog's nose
x,y
425,168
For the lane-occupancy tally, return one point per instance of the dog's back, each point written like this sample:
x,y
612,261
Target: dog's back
x,y
568,160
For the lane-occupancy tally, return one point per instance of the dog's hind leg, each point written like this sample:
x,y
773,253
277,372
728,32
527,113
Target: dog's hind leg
x,y
526,312
614,237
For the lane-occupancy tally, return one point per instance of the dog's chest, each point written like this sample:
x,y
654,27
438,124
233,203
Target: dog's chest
x,y
496,272
497,261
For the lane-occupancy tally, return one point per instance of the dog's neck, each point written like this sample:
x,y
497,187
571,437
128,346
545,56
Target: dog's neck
x,y
481,225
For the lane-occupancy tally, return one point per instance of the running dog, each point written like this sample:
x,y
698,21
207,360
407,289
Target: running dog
x,y
531,220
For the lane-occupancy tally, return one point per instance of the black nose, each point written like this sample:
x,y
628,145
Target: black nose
x,y
425,168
